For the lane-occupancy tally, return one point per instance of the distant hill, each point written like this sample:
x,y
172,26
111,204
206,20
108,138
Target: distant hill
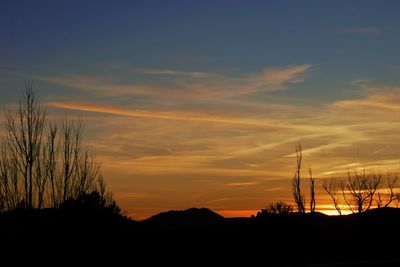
x,y
184,219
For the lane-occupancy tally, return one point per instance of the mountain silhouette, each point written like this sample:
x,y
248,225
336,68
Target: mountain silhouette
x,y
184,219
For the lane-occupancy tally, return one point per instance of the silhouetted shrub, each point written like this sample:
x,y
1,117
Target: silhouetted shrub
x,y
277,208
93,201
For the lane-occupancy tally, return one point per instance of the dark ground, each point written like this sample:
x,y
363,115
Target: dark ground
x,y
199,237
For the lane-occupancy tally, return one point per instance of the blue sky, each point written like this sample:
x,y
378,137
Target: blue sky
x,y
218,92
346,40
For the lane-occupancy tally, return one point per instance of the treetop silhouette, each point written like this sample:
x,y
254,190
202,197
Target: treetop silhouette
x,y
42,163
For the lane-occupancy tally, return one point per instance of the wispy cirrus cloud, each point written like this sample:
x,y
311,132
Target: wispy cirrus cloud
x,y
389,100
361,30
183,115
209,86
280,76
238,143
385,165
214,141
186,85
103,86
243,184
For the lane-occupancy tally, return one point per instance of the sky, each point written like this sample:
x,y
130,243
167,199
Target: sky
x,y
202,103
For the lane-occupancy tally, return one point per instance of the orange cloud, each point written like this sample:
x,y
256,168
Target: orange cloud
x,y
166,115
381,100
218,156
241,184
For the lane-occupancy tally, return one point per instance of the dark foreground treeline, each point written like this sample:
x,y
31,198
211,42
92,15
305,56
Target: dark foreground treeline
x,y
199,236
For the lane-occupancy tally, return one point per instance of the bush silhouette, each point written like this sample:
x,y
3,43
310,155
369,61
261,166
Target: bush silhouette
x,y
277,208
93,201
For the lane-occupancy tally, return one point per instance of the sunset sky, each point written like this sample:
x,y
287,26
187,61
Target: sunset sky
x,y
201,103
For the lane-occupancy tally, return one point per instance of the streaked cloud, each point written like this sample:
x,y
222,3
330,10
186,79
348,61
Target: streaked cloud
x,y
227,143
102,86
240,184
272,189
329,147
279,76
186,85
134,195
168,115
203,136
389,100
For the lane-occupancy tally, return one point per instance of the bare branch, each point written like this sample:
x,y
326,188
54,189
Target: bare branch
x,y
331,189
312,192
296,185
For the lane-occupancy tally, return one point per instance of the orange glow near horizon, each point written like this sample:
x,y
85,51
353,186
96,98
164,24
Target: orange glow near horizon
x,y
234,162
233,213
203,104
221,144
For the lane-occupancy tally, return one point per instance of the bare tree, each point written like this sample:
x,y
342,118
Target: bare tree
x,y
40,180
106,195
41,166
70,150
359,190
10,192
296,185
362,190
51,150
88,172
397,199
312,192
331,189
387,195
24,139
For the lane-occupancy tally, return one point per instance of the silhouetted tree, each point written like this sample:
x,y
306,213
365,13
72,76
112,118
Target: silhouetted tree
x,y
312,192
24,140
277,208
41,166
10,192
296,185
385,198
331,189
397,199
51,149
361,190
